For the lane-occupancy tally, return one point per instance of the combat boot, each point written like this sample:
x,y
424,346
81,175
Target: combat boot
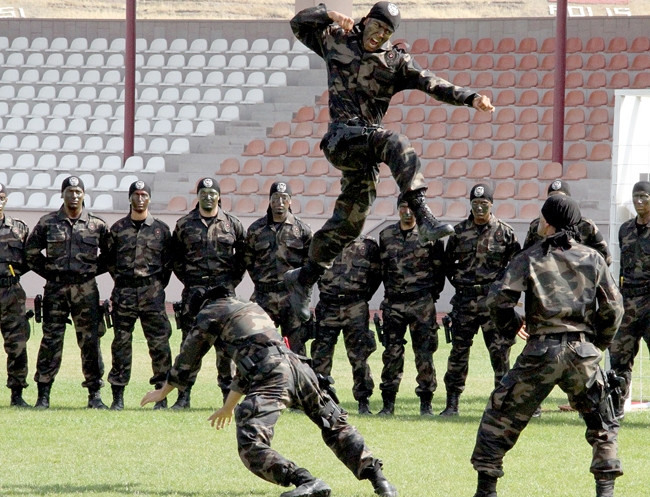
x,y
605,488
379,482
183,400
95,400
487,486
389,404
17,398
118,397
161,404
306,485
364,407
429,228
425,404
452,404
43,400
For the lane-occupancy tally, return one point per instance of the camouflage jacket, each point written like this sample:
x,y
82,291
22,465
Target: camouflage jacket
x,y
139,253
407,266
477,255
73,250
634,241
361,83
13,235
587,232
566,291
355,271
274,248
209,253
242,330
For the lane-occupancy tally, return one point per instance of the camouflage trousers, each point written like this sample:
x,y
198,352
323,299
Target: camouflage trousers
x,y
15,333
293,384
359,340
358,157
625,347
465,327
277,305
420,317
574,367
81,302
148,304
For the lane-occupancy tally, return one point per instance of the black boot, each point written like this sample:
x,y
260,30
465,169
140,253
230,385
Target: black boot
x,y
306,485
118,397
161,404
183,400
379,482
43,400
487,486
364,406
605,488
95,400
429,228
17,398
389,404
425,404
452,404
299,283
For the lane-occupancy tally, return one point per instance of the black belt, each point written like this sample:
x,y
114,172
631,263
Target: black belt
x,y
270,287
9,281
571,336
473,290
135,282
71,279
635,290
342,298
207,281
249,364
405,297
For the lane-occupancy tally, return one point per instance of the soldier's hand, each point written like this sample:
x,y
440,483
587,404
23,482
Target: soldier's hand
x,y
483,103
220,418
346,23
522,333
153,396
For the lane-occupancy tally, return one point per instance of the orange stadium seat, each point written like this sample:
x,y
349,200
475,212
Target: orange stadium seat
x,y
619,80
641,80
505,169
177,204
595,44
437,115
640,44
528,98
302,130
459,115
574,80
441,46
456,210
319,167
434,169
574,116
576,132
458,150
527,116
304,114
598,116
548,63
434,150
229,166
484,46
274,167
440,63
456,189
481,131
254,147
527,63
601,151
528,132
505,131
458,131
480,170
414,115
299,148
505,116
595,62
506,45
481,150
618,62
387,188
393,115
324,115
297,186
597,98
296,167
228,185
640,63
435,189
506,211
462,63
527,170
548,45
248,186
420,46
277,148
596,80
483,80
251,167
280,130
414,131
316,186
529,211
415,97
245,205
573,62
551,171
457,169
506,62
528,151
573,45
314,207
528,80
527,45
462,45
576,151
617,44
576,170
462,78
504,190
505,98
316,151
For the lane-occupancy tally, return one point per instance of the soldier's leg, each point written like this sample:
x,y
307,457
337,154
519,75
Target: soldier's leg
x,y
424,340
55,313
84,306
157,330
291,327
124,318
322,349
225,371
458,362
498,349
511,406
15,332
360,343
392,357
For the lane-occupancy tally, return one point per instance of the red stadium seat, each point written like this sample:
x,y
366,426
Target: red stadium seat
x,y
504,170
528,170
505,211
506,45
441,46
484,46
462,45
576,170
505,116
551,171
480,170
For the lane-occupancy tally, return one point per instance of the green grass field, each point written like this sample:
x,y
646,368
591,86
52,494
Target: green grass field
x,y
69,451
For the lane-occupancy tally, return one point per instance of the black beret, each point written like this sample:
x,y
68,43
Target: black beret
x,y
641,186
73,181
139,185
280,187
559,186
208,183
386,12
482,191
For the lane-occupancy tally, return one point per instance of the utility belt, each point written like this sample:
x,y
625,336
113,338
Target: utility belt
x,y
355,126
9,281
407,296
342,298
632,290
473,290
270,287
70,279
249,364
570,336
135,281
207,281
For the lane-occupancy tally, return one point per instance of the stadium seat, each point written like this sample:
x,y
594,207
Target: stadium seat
x,y
576,152
640,44
440,63
599,152
503,170
620,80
505,150
111,163
595,62
441,46
527,170
480,170
528,151
504,190
103,202
456,189
505,131
481,150
462,45
528,132
529,211
640,63
251,167
551,171
576,170
481,131
505,210
457,169
596,80
456,210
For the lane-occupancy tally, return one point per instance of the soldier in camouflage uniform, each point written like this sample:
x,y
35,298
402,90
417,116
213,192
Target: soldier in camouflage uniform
x,y
275,244
364,72
208,250
345,290
475,256
272,378
139,261
413,279
75,244
634,241
13,323
573,309
586,230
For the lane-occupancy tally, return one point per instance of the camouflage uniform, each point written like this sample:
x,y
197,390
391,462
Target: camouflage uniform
x,y
75,253
634,241
586,232
139,262
573,308
413,279
271,250
13,323
272,378
345,289
361,85
475,256
208,253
